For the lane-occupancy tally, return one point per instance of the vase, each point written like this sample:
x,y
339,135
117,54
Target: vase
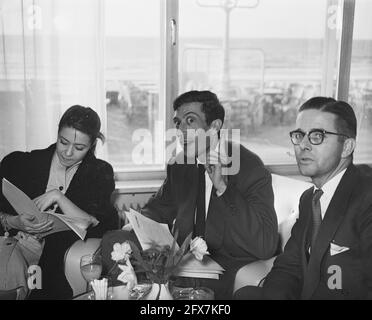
x,y
159,291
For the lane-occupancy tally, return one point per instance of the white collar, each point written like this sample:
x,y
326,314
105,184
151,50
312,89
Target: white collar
x,y
60,166
329,189
330,186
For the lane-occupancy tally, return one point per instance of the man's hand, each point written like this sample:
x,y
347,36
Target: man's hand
x,y
28,224
48,199
214,169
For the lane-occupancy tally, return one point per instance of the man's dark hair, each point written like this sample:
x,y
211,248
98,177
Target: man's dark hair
x,y
211,106
346,122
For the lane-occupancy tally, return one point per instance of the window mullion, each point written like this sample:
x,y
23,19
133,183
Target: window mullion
x,y
101,76
171,57
331,48
346,44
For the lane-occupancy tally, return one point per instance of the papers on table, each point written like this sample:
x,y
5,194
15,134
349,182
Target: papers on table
x,y
193,268
149,232
22,204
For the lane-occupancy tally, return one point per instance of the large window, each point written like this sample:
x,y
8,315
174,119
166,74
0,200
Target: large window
x,y
263,58
128,59
133,80
51,57
360,92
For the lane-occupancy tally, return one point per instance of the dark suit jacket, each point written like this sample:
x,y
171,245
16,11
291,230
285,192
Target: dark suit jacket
x,y
347,223
241,225
90,188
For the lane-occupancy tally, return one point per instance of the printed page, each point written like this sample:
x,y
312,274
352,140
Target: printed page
x,y
194,274
191,267
149,232
22,204
63,222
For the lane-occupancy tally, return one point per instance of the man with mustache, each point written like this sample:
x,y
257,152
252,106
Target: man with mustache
x,y
329,253
233,211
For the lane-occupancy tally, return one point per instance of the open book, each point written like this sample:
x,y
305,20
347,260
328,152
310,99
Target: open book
x,y
22,204
149,232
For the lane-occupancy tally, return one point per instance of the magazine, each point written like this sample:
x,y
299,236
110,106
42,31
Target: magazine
x,y
22,204
149,232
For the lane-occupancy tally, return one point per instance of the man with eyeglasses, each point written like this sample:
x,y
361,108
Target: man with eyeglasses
x,y
329,253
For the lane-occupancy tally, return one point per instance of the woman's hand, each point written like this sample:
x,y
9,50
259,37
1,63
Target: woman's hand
x,y
28,224
48,199
66,206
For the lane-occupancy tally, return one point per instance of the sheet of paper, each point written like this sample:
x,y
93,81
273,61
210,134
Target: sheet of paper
x,y
187,274
62,222
22,204
149,232
191,267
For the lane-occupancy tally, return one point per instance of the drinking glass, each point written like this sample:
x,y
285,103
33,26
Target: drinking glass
x,y
90,268
197,293
201,293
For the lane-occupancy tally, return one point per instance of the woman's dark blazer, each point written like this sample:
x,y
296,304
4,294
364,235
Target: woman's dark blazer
x,y
90,188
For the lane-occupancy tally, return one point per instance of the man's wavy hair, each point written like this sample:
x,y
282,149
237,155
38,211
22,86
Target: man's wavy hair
x,y
346,122
211,106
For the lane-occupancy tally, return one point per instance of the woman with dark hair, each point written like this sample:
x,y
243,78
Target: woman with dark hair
x,y
68,179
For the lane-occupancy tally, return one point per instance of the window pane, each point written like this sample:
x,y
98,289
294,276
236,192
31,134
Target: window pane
x,y
360,93
49,60
263,59
133,76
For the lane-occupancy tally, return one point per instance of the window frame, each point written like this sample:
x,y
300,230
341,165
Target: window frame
x,y
137,181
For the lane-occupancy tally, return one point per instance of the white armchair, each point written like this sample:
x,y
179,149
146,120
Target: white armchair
x,y
287,193
72,263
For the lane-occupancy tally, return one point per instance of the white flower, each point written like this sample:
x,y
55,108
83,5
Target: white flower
x,y
198,248
121,251
128,275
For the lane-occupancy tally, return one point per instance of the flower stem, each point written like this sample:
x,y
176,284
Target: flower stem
x,y
112,268
158,295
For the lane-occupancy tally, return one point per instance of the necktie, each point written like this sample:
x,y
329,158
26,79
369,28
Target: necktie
x,y
317,215
199,226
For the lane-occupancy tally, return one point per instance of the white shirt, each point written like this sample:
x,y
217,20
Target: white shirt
x,y
60,177
329,189
208,183
208,189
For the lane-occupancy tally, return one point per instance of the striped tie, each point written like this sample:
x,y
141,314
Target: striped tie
x,y
317,215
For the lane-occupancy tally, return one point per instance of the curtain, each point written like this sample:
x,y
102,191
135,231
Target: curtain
x,y
51,57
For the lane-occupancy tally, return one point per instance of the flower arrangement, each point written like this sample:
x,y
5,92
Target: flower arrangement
x,y
158,262
121,255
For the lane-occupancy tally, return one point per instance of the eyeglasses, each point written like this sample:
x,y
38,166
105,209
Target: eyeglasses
x,y
316,136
